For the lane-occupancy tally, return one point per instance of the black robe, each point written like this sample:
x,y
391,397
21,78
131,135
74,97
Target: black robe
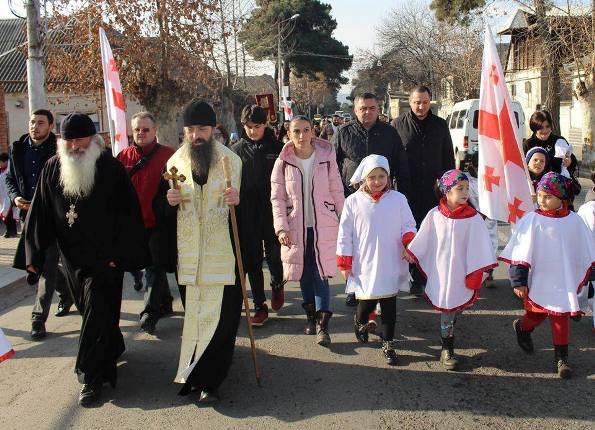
x,y
108,228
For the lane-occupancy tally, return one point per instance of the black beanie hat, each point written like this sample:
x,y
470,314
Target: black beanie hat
x,y
77,125
199,113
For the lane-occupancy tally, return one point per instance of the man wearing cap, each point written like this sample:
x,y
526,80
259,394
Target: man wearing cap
x,y
197,209
86,203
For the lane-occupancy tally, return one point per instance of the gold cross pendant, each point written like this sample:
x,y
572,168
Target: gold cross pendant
x,y
71,215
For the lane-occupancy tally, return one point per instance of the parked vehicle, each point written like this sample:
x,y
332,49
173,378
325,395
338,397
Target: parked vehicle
x,y
463,122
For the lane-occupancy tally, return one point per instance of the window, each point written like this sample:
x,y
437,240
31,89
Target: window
x,y
516,117
448,119
461,118
513,90
476,119
453,120
528,87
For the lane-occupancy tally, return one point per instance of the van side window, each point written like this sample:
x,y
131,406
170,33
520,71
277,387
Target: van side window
x,y
461,118
516,117
453,120
476,119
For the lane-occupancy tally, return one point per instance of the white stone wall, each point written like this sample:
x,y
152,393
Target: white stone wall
x,y
17,110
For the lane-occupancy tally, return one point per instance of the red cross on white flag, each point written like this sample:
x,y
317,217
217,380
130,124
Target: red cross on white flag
x,y
504,189
116,109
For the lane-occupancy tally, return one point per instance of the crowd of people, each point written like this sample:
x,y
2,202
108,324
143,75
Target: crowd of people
x,y
311,202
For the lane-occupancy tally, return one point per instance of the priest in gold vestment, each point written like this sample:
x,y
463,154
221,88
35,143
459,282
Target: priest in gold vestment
x,y
195,204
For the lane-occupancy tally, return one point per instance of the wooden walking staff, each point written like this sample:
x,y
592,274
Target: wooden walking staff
x,y
173,176
236,240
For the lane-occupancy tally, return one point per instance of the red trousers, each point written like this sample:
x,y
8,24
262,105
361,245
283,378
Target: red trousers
x,y
559,325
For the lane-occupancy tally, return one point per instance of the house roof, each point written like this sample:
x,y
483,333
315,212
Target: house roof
x,y
13,55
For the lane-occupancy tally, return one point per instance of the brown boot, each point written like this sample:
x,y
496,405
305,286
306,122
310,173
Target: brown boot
x,y
310,309
322,319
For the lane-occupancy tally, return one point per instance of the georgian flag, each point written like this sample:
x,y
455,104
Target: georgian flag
x,y
116,109
505,192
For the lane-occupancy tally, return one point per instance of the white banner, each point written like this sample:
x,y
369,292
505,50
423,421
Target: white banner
x,y
116,109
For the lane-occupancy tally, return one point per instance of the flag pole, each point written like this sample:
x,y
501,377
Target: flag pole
x,y
102,39
236,240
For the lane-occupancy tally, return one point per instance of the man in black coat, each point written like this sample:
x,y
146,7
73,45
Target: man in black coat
x,y
258,150
27,157
364,136
429,152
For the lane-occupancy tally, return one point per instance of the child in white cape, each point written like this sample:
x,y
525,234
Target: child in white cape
x,y
376,224
453,249
550,253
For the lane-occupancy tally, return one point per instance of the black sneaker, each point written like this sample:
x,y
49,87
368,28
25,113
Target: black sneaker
x,y
360,330
147,323
388,350
89,394
523,337
350,300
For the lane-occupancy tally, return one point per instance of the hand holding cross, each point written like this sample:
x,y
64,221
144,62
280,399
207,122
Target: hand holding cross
x,y
174,196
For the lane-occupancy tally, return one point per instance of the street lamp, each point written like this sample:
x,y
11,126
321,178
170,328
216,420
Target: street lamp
x,y
279,65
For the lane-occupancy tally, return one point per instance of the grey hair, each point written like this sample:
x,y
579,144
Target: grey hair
x,y
144,115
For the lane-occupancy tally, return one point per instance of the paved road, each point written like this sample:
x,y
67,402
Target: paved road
x,y
304,385
345,386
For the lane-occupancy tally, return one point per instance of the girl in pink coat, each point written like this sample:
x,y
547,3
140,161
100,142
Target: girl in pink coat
x,y
307,199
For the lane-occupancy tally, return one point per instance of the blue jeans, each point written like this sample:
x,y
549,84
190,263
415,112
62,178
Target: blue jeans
x,y
314,288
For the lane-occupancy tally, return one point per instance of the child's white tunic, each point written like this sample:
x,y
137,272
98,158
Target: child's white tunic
x,y
371,233
447,250
559,253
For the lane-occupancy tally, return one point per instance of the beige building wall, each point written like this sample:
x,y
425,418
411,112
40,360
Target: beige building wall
x,y
17,110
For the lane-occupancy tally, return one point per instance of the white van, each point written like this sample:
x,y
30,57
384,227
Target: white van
x,y
463,121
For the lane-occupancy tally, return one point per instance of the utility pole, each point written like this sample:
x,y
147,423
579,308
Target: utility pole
x,y
35,66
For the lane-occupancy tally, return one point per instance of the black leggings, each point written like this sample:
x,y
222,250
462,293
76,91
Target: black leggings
x,y
388,308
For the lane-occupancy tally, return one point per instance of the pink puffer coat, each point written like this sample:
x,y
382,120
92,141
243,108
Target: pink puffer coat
x,y
288,208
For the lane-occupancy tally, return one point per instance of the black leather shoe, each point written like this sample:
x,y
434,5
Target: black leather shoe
x,y
63,309
147,323
208,395
89,394
38,330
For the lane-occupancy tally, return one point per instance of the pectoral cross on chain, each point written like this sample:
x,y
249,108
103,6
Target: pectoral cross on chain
x,y
173,176
71,215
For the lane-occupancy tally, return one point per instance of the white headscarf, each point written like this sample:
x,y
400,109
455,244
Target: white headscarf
x,y
368,164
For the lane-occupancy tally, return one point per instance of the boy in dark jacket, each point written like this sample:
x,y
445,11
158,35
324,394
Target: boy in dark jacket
x,y
258,150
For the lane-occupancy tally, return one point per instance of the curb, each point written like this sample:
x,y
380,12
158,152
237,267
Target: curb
x,y
13,286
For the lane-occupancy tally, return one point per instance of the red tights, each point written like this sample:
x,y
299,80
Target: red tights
x,y
559,325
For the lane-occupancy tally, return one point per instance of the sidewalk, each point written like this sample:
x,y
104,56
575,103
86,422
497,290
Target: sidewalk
x,y
8,275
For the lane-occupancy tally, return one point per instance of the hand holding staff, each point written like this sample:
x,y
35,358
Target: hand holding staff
x,y
232,198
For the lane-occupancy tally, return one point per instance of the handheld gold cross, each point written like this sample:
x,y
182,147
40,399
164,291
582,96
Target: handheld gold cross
x,y
173,176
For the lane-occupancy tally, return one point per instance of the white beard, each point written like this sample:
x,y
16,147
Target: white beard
x,y
77,171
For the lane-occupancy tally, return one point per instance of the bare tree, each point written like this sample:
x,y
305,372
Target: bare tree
x,y
415,48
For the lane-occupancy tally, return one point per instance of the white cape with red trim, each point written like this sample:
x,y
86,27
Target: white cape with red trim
x,y
447,250
559,253
372,233
6,350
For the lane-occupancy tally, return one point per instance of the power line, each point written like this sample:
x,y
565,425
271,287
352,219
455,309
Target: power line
x,y
13,10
